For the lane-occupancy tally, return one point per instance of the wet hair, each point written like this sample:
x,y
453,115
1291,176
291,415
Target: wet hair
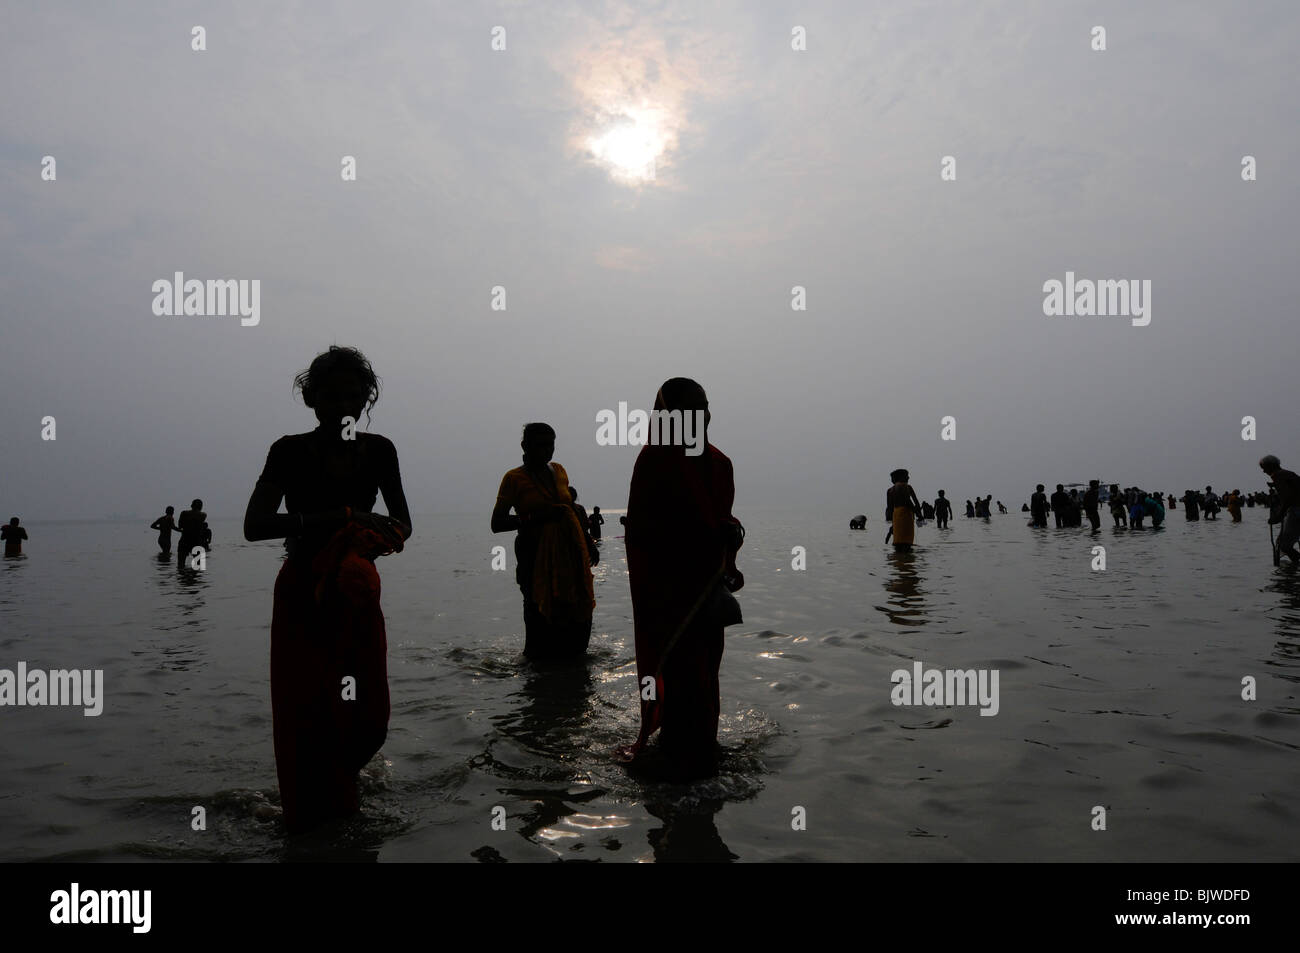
x,y
337,360
196,504
595,509
899,476
1269,462
941,492
537,431
171,509
1040,488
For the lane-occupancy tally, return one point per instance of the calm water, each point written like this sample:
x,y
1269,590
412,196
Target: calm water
x,y
1119,688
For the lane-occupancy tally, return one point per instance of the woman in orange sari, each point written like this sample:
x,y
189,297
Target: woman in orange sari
x,y
329,676
553,553
681,545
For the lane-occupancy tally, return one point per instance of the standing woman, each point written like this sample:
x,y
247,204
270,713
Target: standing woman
x,y
553,556
681,552
327,626
901,507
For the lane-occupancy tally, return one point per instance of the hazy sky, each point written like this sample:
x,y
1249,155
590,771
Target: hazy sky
x,y
775,168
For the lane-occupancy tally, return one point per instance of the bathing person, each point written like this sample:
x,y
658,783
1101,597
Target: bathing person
x,y
1286,506
901,508
942,511
1038,507
1090,504
13,536
553,559
164,525
681,559
329,676
193,526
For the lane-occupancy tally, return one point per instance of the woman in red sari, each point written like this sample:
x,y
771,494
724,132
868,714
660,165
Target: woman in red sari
x,y
329,678
681,543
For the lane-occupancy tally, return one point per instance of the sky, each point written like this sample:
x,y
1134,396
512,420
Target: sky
x,y
648,182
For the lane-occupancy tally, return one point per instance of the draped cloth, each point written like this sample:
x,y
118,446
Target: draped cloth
x,y
677,512
562,568
327,626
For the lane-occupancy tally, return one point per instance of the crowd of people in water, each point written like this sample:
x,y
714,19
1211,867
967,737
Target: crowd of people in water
x,y
1130,507
329,682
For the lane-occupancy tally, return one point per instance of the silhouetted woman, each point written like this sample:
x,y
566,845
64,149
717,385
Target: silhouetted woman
x,y
902,508
681,545
553,558
329,677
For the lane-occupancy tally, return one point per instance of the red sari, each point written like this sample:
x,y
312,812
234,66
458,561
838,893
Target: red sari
x,y
326,626
676,513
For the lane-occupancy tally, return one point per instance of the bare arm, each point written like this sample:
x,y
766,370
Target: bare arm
x,y
263,521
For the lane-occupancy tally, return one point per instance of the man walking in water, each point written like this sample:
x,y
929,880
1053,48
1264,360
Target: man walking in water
x,y
1060,505
1038,507
1090,504
13,536
942,510
1287,509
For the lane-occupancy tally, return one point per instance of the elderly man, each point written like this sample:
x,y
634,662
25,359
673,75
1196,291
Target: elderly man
x,y
1287,509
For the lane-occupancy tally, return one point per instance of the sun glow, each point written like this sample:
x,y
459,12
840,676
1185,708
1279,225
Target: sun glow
x,y
632,144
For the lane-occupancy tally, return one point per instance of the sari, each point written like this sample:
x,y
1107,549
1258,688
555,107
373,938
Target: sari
x,y
552,566
677,546
327,627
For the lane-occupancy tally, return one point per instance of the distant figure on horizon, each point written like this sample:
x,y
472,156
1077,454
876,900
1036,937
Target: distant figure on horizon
x,y
901,509
1090,499
164,525
1286,507
1038,507
942,511
193,527
595,522
970,508
682,541
13,536
1001,508
552,557
329,666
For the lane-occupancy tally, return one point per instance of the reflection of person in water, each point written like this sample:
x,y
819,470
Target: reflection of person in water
x,y
193,528
552,557
13,536
329,678
164,525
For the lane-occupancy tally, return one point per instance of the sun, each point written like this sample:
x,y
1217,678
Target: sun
x,y
632,144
